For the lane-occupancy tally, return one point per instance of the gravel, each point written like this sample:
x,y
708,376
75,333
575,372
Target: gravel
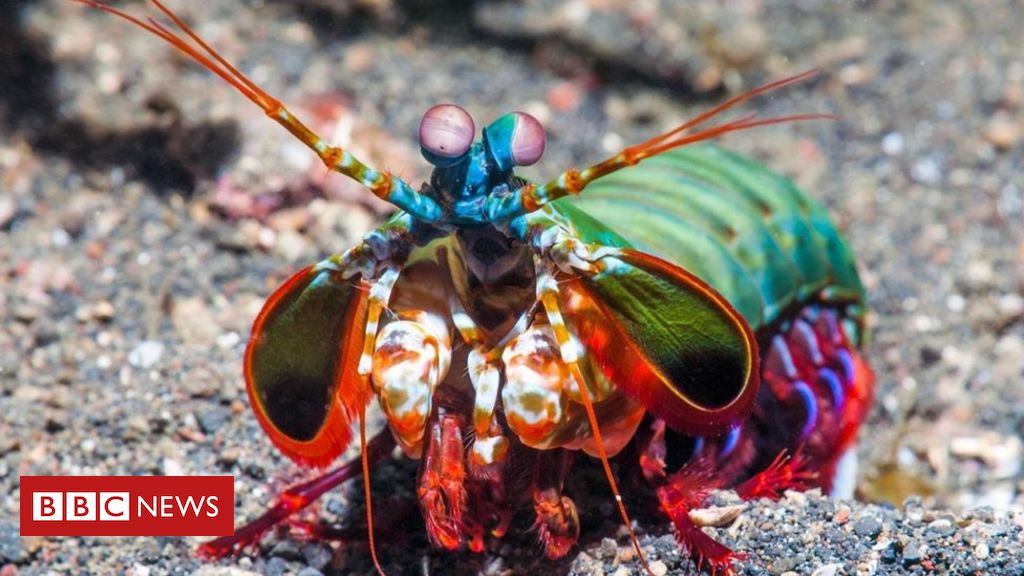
x,y
146,211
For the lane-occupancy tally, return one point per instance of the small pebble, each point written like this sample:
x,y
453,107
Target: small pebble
x,y
913,553
827,570
103,311
276,566
358,57
658,568
565,97
1001,132
7,210
228,340
10,543
1003,454
941,528
783,565
291,245
868,527
191,434
290,219
208,570
212,418
956,303
228,457
717,516
316,555
609,549
627,554
854,75
172,467
892,144
842,515
33,394
255,471
26,313
743,43
286,549
926,171
889,554
146,354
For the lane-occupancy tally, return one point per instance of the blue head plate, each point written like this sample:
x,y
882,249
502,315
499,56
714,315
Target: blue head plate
x,y
467,170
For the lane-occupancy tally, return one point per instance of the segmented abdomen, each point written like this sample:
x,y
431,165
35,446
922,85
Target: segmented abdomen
x,y
775,254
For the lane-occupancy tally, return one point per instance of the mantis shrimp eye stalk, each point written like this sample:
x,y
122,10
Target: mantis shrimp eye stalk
x,y
528,140
515,139
446,132
409,363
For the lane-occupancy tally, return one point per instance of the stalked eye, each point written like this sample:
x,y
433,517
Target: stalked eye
x,y
528,140
446,132
515,139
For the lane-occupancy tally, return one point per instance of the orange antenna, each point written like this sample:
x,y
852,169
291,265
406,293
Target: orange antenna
x,y
730,103
531,197
367,491
657,145
588,404
382,184
548,295
212,60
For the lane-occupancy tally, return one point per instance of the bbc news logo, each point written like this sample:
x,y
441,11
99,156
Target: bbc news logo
x,y
82,506
127,505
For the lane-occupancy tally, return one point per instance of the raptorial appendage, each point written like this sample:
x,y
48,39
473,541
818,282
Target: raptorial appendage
x,y
535,385
410,360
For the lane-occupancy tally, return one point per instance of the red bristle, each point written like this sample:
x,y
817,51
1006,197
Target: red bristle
x,y
784,473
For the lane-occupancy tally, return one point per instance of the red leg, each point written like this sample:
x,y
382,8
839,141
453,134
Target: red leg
x,y
682,492
442,493
653,452
784,473
292,500
558,522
